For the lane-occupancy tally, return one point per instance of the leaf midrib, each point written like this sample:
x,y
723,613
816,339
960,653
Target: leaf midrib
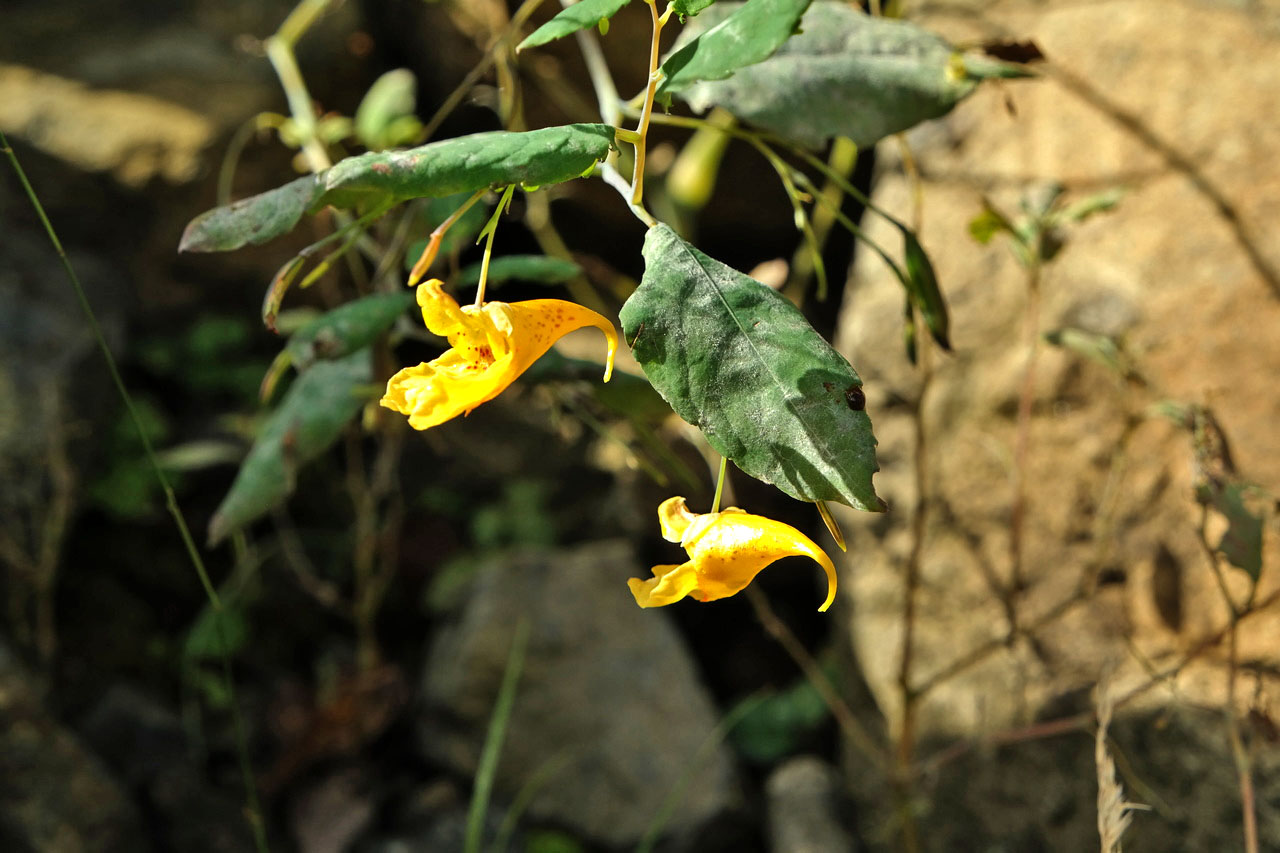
x,y
824,449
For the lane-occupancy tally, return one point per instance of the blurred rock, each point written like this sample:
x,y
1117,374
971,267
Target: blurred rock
x,y
1041,794
1165,272
327,816
135,137
146,746
146,89
435,819
609,707
1188,289
54,795
51,387
805,808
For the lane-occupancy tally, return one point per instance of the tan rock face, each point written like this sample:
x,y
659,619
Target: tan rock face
x,y
1177,103
136,137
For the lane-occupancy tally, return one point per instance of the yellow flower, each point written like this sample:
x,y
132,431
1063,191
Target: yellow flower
x,y
491,345
726,551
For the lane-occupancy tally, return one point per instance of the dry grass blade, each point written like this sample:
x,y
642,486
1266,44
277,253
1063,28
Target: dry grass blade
x,y
1114,814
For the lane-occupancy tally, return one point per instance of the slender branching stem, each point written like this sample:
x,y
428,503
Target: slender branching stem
x,y
601,78
862,740
646,113
487,233
1022,437
428,255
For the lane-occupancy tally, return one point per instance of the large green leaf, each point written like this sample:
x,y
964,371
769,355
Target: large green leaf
x,y
845,74
569,20
252,220
740,362
347,328
465,164
308,420
746,34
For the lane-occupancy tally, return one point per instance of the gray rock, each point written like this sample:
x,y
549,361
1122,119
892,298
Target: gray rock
x,y
609,703
1041,794
805,808
145,745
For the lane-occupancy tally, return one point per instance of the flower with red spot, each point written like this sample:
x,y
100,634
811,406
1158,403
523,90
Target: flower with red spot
x,y
726,550
490,345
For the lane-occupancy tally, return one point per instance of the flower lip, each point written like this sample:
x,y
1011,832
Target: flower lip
x,y
489,347
726,551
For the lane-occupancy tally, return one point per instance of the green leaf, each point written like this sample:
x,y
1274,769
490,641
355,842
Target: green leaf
x,y
747,34
689,8
1088,206
845,74
348,328
217,633
308,420
1098,348
568,21
1242,542
540,269
775,726
924,289
740,362
465,164
986,225
385,116
252,220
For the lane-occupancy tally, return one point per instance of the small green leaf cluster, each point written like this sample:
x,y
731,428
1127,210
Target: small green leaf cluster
x,y
728,354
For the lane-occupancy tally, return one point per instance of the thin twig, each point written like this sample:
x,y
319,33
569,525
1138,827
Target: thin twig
x,y
487,60
1022,443
861,739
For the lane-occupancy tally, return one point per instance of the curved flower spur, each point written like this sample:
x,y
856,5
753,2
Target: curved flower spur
x,y
727,550
490,346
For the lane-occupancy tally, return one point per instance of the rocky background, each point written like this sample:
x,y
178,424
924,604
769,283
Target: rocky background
x,y
750,724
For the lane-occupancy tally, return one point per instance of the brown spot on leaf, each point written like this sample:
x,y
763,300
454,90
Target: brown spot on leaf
x,y
855,398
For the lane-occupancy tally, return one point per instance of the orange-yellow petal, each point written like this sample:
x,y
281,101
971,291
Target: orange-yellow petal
x,y
674,516
469,330
444,388
729,552
668,585
727,549
538,323
490,347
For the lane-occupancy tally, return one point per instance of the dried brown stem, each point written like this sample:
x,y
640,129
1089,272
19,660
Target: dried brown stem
x,y
1022,445
861,739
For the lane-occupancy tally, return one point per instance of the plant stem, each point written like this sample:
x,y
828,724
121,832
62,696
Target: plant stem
x,y
646,113
601,78
1022,440
858,736
724,465
433,245
494,737
489,230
